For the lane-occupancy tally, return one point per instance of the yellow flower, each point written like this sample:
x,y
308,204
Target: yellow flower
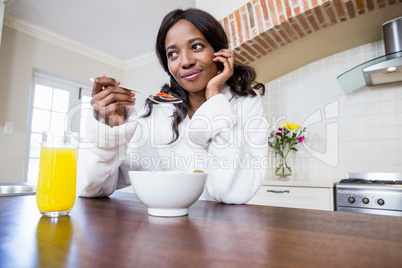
x,y
290,125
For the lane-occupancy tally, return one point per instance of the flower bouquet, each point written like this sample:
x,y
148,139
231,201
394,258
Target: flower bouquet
x,y
283,141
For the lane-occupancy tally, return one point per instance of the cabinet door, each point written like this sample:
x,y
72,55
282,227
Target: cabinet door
x,y
295,197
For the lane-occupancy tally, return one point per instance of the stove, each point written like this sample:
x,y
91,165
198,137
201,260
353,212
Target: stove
x,y
370,193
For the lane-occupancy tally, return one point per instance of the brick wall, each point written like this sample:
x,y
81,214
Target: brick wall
x,y
262,26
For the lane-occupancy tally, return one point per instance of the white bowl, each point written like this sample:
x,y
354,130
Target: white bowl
x,y
165,193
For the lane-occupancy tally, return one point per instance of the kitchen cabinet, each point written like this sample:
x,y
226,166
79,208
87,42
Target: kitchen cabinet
x,y
307,195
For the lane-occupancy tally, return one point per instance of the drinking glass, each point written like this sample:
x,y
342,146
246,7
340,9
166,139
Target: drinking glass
x,y
55,194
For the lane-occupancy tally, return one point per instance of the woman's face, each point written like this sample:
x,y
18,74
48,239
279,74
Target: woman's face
x,y
189,56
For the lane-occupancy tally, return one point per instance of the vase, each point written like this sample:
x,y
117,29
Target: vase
x,y
283,169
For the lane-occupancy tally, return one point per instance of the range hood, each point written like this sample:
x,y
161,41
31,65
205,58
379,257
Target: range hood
x,y
381,70
2,8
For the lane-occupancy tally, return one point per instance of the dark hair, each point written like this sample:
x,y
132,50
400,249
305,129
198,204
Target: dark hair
x,y
241,83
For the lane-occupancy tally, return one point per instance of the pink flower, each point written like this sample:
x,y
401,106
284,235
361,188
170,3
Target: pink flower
x,y
301,139
278,134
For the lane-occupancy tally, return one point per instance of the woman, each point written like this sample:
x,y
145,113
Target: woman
x,y
219,128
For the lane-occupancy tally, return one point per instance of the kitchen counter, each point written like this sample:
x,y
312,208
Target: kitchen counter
x,y
117,232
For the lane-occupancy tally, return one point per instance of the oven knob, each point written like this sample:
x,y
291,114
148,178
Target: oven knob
x,y
380,201
366,200
351,199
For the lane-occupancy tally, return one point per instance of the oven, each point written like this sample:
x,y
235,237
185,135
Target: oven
x,y
370,193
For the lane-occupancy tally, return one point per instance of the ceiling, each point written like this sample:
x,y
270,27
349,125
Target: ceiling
x,y
124,29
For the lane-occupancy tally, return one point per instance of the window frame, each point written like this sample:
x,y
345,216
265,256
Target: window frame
x,y
76,90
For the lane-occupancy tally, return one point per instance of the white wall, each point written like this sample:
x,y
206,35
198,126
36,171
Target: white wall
x,y
149,78
19,55
369,119
221,8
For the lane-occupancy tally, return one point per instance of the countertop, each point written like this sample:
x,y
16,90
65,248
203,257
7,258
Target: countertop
x,y
117,232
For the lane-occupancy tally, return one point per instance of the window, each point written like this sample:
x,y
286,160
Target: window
x,y
51,100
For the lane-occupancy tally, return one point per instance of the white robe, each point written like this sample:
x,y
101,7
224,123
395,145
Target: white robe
x,y
227,137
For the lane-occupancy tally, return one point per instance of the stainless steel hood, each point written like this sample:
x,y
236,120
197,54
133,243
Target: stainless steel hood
x,y
2,8
381,70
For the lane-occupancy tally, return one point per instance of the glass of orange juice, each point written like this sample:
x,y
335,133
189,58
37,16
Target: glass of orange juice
x,y
55,193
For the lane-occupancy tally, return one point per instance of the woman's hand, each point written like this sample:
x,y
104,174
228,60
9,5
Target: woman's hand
x,y
109,100
226,58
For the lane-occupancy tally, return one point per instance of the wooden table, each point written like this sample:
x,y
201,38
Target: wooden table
x,y
117,232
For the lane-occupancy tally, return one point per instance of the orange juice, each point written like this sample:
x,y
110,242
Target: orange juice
x,y
57,180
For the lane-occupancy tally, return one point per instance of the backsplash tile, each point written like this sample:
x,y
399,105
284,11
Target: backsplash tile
x,y
369,120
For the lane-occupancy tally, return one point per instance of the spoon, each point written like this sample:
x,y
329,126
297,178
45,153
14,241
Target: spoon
x,y
154,98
